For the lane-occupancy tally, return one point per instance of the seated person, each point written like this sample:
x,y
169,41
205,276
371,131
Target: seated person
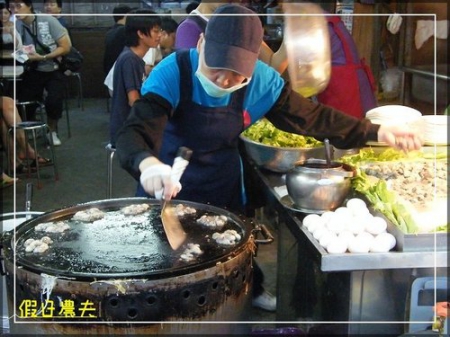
x,y
8,114
7,181
8,30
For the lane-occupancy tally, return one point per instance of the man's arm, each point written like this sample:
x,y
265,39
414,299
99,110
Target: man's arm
x,y
142,133
133,96
294,113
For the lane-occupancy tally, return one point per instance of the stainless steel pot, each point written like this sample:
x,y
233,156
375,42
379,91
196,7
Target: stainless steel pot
x,y
132,287
316,187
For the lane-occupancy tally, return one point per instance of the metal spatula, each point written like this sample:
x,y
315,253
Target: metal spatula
x,y
172,226
28,197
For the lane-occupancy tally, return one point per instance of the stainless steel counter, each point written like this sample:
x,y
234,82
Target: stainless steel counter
x,y
349,262
340,293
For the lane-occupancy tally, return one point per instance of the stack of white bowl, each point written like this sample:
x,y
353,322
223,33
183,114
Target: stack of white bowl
x,y
396,115
436,129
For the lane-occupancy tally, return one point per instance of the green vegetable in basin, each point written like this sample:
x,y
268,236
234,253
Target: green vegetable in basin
x,y
265,132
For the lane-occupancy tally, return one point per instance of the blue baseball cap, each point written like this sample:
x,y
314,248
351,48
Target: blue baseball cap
x,y
233,39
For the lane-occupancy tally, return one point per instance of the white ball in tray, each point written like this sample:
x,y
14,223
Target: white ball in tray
x,y
347,236
360,244
327,238
351,228
383,243
355,203
311,219
376,225
319,232
337,246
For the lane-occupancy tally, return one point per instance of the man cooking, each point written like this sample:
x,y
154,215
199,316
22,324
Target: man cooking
x,y
204,97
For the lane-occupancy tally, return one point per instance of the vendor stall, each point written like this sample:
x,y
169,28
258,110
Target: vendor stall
x,y
341,293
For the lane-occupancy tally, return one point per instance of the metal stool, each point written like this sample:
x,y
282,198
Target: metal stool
x,y
110,151
80,89
66,107
32,127
22,109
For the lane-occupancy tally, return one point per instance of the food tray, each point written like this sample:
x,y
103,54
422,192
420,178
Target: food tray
x,y
414,242
418,242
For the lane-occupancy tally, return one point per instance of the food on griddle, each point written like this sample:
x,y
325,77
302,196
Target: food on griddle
x,y
182,210
212,221
37,245
52,227
228,238
135,209
89,215
191,252
47,240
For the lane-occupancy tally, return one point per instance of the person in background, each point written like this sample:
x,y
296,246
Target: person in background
x,y
141,33
204,97
8,117
191,6
7,181
115,37
350,88
50,40
168,35
189,31
166,44
8,30
54,7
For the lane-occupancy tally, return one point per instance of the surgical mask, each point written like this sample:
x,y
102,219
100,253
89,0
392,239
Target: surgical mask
x,y
214,90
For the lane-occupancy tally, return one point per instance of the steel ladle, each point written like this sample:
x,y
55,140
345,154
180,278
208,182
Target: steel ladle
x,y
326,142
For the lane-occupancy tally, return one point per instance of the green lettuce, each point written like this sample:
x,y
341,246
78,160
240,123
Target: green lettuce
x,y
265,132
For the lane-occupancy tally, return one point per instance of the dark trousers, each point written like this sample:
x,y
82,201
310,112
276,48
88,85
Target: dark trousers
x,y
258,280
31,88
255,199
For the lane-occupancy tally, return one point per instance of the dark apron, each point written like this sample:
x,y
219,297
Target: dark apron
x,y
213,175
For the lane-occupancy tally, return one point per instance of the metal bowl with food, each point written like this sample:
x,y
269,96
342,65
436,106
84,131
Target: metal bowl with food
x,y
276,150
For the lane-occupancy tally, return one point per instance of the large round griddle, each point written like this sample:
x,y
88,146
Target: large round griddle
x,y
120,245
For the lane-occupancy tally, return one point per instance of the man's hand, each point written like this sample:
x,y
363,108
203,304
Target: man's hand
x,y
156,179
442,309
35,57
400,137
